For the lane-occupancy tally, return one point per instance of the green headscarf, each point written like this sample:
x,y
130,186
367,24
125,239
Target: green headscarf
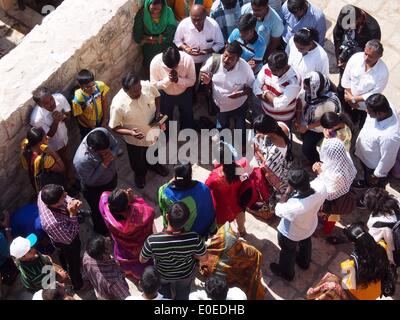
x,y
166,18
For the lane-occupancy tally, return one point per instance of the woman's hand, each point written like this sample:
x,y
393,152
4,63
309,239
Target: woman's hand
x,y
317,167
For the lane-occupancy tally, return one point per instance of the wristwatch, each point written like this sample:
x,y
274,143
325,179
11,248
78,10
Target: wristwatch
x,y
353,100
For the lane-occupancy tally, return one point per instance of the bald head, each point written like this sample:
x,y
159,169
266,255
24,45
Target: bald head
x,y
198,15
198,9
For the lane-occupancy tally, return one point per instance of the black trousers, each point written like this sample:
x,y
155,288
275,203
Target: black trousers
x,y
92,196
137,159
185,104
288,254
70,258
382,182
309,147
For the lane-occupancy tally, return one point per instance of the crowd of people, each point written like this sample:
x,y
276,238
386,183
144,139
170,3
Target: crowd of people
x,y
261,65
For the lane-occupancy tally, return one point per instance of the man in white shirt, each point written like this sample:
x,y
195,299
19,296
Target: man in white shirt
x,y
298,223
278,85
173,73
199,36
364,75
131,113
216,288
50,113
378,143
231,85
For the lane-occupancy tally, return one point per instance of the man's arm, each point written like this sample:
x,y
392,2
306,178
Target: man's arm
x,y
389,149
106,110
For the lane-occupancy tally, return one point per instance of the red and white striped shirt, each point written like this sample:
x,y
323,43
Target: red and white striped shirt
x,y
286,89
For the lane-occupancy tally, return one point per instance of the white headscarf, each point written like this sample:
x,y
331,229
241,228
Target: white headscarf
x,y
338,170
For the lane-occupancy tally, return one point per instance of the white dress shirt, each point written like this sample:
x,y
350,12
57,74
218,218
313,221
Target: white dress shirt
x,y
210,37
41,118
285,88
378,143
225,82
315,60
299,216
364,83
159,74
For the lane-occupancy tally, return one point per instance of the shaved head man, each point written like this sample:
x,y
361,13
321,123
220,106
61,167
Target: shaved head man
x,y
198,16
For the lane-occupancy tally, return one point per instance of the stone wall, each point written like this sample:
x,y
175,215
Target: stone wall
x,y
96,35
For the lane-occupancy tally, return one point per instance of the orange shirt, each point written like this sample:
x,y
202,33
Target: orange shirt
x,y
181,8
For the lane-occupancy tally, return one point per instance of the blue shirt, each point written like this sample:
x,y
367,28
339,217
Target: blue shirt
x,y
314,18
253,51
270,27
89,165
227,19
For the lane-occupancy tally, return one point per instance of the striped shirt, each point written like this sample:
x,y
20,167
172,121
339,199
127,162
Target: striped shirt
x,y
31,272
106,278
227,19
59,226
285,88
173,254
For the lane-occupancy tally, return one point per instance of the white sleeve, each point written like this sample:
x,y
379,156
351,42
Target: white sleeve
x,y
389,149
346,78
380,84
179,35
38,122
290,93
219,41
259,82
207,65
63,102
286,210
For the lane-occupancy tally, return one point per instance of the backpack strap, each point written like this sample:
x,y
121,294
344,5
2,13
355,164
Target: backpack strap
x,y
216,62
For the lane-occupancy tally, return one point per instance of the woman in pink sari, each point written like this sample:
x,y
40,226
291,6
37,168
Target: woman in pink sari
x,y
130,221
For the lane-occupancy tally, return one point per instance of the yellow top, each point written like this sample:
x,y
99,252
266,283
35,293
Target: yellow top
x,y
90,106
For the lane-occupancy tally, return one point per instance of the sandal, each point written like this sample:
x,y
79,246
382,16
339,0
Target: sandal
x,y
335,240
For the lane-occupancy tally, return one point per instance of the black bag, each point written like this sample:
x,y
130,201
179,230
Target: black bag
x,y
48,177
388,284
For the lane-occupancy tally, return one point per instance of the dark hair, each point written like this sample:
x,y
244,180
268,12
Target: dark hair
x,y
380,202
378,103
40,93
150,280
171,56
118,202
278,60
129,80
260,3
266,124
34,136
299,179
295,5
329,120
97,140
372,260
227,159
306,36
178,215
234,48
184,172
51,194
376,45
84,77
247,22
52,294
216,288
158,2
96,247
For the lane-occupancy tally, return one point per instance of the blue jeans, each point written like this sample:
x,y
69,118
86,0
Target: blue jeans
x,y
185,104
238,116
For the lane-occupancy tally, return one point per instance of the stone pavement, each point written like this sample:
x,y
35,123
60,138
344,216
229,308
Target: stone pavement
x,y
261,234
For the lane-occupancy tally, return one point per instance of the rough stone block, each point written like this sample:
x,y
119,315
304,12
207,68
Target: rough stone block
x,y
13,124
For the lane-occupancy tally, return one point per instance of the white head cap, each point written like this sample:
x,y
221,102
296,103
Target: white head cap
x,y
20,246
